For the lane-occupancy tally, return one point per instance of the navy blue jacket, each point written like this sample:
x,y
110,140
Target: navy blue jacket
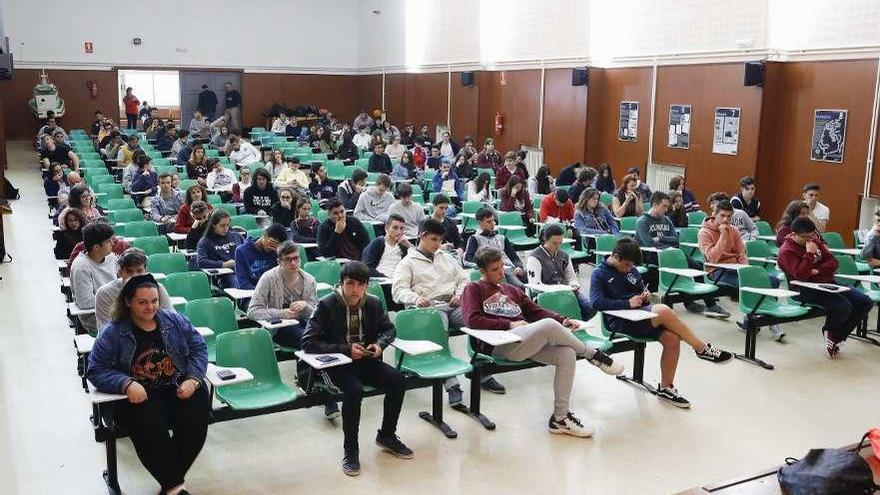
x,y
373,255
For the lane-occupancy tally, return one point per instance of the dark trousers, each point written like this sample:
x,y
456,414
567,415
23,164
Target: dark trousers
x,y
351,378
587,311
167,457
290,336
730,277
132,120
692,263
844,310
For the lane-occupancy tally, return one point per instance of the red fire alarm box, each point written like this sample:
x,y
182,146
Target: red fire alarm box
x,y
89,47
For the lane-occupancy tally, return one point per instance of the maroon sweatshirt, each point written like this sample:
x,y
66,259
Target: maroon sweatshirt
x,y
797,263
486,306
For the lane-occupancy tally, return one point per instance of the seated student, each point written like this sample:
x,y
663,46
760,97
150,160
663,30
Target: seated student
x,y
199,213
292,176
434,161
379,162
145,182
819,213
73,221
419,155
55,185
347,151
81,198
125,157
341,236
275,163
592,217
220,179
871,249
626,201
463,165
720,242
395,150
569,174
259,198
687,196
740,220
167,204
508,170
384,253
374,203
643,189
795,209
244,182
363,338
805,257
216,248
676,212
489,157
279,124
132,262
490,304
406,170
304,227
586,178
349,192
412,213
654,229
548,264
557,205
110,151
255,256
158,360
118,244
479,189
322,187
428,276
181,150
198,166
92,268
195,192
199,125
514,197
452,238
284,211
54,152
242,153
487,236
746,200
165,141
446,181
616,284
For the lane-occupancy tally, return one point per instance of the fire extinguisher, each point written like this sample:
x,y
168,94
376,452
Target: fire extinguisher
x,y
499,124
93,88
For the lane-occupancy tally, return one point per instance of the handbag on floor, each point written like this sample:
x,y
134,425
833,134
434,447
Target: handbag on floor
x,y
828,472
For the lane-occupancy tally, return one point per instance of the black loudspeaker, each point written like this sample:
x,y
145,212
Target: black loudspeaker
x,y
467,78
579,76
754,74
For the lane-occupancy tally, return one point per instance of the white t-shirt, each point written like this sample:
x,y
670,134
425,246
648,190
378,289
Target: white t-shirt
x,y
390,259
823,214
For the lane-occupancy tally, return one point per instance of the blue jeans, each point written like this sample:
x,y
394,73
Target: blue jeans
x,y
587,311
844,310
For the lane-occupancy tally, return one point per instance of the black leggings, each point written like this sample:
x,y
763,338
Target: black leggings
x,y
132,120
167,457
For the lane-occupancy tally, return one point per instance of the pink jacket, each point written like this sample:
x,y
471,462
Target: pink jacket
x,y
720,245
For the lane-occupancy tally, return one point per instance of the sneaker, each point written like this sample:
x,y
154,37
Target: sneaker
x,y
606,364
670,394
742,326
351,465
331,411
492,385
694,307
393,445
570,425
832,349
455,395
776,333
715,311
714,355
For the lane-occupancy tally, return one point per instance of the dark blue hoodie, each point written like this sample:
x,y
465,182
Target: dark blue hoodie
x,y
611,290
213,250
251,262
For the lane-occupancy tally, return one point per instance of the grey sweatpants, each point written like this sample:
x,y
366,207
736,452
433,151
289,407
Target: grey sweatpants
x,y
547,341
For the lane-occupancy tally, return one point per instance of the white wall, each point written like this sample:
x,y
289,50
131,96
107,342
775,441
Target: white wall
x,y
824,24
251,34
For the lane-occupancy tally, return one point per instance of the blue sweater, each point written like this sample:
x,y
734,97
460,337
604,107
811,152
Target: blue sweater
x,y
213,250
438,184
591,223
611,290
142,183
251,262
656,231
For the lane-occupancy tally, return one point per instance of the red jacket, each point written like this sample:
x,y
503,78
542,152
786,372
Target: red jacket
x,y
549,208
486,306
419,157
502,175
797,263
521,203
131,104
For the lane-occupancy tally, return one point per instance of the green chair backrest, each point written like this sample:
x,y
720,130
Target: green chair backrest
x,y
247,222
152,244
695,218
110,191
421,324
255,233
228,208
688,234
764,227
191,285
214,199
512,218
362,163
187,183
125,216
165,169
168,263
606,199
217,313
673,258
95,180
144,228
628,223
322,216
122,204
252,349
846,265
834,240
757,249
428,176
374,289
490,171
475,275
754,276
323,271
563,302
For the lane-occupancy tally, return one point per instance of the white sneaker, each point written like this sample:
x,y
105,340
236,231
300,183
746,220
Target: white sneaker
x,y
570,425
776,333
606,364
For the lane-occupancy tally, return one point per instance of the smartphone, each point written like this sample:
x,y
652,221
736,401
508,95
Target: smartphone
x,y
829,287
275,321
213,271
225,375
327,359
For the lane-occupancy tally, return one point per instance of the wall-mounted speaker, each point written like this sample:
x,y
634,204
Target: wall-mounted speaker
x,y
754,74
579,76
467,78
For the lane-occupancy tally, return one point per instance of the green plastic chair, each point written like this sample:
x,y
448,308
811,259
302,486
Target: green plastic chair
x,y
191,285
121,204
95,180
426,324
628,226
846,265
428,176
109,191
246,222
760,249
187,183
517,237
216,313
469,207
475,275
214,199
606,199
764,227
755,276
336,170
252,349
834,240
152,244
565,303
323,271
362,163
690,234
375,290
228,208
165,169
142,228
695,218
125,216
613,336
167,263
674,258
323,215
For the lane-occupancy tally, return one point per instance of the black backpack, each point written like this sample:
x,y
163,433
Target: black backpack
x,y
11,192
828,472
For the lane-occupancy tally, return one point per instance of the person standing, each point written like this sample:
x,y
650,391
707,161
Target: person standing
x,y
207,102
131,103
233,108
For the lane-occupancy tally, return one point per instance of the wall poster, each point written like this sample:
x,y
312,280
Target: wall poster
x,y
628,125
679,126
829,135
725,141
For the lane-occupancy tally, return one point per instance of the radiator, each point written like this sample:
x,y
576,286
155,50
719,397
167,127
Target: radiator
x,y
534,159
659,175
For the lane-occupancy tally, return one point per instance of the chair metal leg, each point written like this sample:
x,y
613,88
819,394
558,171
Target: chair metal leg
x,y
638,373
751,344
436,416
474,409
861,333
111,474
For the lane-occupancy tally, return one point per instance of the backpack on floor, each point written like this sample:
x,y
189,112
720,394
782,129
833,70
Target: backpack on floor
x,y
12,192
828,472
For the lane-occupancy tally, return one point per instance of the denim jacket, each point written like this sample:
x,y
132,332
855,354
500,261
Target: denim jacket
x,y
111,356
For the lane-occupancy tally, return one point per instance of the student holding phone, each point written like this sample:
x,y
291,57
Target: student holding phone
x,y
349,321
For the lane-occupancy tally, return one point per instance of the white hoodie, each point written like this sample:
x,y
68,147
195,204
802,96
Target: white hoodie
x,y
418,276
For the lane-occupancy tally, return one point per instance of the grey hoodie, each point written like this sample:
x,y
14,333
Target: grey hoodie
x,y
268,299
372,206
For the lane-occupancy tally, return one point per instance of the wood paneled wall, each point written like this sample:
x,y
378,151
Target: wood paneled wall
x,y
565,120
260,91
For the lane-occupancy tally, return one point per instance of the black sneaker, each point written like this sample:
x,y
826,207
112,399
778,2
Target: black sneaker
x,y
571,425
714,355
670,394
331,411
716,311
491,385
351,464
694,307
455,395
605,363
393,445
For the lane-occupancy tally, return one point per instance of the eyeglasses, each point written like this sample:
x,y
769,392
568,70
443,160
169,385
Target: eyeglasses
x,y
290,259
